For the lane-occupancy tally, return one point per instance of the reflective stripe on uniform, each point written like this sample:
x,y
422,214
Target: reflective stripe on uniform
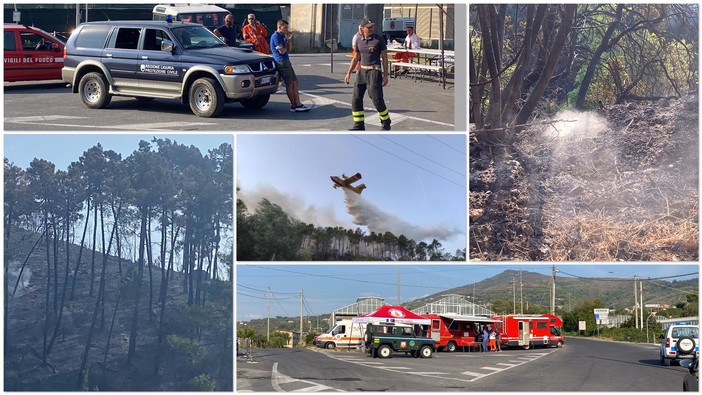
x,y
358,116
384,115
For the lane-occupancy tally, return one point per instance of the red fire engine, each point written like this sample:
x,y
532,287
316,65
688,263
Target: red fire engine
x,y
451,331
530,330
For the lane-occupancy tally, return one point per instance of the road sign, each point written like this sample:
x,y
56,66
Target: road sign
x,y
601,315
581,325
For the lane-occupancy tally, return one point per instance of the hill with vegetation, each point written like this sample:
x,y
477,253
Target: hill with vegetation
x,y
497,294
114,276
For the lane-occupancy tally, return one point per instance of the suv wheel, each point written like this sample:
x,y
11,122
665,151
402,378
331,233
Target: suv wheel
x,y
330,346
206,98
665,361
451,347
384,351
93,91
559,344
425,352
256,103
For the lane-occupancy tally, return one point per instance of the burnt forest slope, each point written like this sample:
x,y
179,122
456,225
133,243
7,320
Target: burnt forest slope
x,y
195,353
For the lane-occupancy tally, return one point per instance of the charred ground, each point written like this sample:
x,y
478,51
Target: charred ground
x,y
617,184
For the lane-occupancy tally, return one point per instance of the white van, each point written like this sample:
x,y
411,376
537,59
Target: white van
x,y
207,15
345,333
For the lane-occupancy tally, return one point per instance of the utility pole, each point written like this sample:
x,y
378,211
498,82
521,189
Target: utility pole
x,y
521,293
641,313
398,285
553,289
636,305
302,298
514,295
268,331
473,299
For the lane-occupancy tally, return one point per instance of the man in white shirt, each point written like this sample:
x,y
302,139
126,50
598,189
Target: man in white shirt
x,y
412,41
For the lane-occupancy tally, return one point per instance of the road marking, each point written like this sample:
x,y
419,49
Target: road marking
x,y
40,118
396,118
472,376
278,378
51,120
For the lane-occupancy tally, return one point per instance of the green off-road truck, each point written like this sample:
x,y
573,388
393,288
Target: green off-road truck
x,y
383,339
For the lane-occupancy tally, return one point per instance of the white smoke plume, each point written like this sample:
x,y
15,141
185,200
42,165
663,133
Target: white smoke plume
x,y
294,206
14,272
378,221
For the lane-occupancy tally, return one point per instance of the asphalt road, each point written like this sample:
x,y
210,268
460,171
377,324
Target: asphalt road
x,y
414,106
581,365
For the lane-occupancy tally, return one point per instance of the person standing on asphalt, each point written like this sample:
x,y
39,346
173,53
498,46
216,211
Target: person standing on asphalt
x,y
228,31
371,52
486,338
255,33
280,43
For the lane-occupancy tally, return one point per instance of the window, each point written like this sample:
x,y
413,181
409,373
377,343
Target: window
x,y
153,39
10,44
127,38
34,42
92,37
435,325
685,331
541,325
455,325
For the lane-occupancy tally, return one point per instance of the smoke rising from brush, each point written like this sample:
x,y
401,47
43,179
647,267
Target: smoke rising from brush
x,y
367,214
292,205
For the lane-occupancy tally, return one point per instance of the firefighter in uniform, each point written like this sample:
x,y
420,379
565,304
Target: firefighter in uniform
x,y
371,52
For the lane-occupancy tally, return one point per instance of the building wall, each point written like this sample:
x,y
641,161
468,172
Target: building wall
x,y
314,25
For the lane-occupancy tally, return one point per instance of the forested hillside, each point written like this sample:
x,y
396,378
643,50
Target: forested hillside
x,y
584,132
118,271
271,234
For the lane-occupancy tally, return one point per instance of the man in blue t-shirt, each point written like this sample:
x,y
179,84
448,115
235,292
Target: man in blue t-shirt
x,y
228,31
280,45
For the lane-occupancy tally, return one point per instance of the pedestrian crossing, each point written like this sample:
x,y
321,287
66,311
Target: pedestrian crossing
x,y
496,363
66,121
285,383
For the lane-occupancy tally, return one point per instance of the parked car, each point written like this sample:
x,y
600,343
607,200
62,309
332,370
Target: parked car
x,y
167,60
31,54
687,346
669,345
382,339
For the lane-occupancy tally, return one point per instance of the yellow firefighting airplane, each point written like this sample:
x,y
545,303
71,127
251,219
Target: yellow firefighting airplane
x,y
345,182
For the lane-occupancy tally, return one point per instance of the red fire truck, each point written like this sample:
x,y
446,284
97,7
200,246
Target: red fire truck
x,y
529,330
451,331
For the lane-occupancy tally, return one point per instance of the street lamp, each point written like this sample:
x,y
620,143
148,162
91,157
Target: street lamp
x,y
649,316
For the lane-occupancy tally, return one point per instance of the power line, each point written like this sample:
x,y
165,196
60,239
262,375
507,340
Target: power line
x,y
411,163
448,145
250,296
265,291
422,156
347,278
627,279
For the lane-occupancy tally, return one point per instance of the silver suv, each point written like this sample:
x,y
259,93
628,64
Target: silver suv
x,y
166,60
669,345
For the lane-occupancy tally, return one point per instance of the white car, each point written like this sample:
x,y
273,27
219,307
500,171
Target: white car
x,y
669,345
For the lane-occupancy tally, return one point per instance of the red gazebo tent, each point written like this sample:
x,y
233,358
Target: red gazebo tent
x,y
394,314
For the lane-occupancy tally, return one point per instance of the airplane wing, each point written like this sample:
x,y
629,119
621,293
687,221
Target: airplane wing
x,y
352,179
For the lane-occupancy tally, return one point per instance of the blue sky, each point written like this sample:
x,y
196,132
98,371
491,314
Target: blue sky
x,y
328,287
420,179
62,149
